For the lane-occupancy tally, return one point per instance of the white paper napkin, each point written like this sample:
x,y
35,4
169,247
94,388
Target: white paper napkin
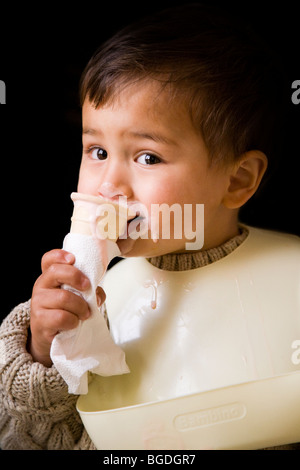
x,y
90,346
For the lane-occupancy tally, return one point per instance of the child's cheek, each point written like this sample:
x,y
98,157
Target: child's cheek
x,y
87,182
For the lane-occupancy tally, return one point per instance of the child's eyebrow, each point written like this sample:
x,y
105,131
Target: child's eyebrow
x,y
137,134
152,136
89,131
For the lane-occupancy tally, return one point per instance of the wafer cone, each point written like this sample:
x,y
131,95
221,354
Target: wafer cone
x,y
98,217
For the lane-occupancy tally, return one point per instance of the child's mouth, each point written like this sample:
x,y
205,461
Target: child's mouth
x,y
134,224
137,227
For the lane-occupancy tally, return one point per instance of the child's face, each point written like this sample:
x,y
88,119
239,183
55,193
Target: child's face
x,y
145,148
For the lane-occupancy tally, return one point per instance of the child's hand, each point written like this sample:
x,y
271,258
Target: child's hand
x,y
54,309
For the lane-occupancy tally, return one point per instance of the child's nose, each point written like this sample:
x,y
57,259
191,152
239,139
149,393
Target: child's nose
x,y
115,181
109,190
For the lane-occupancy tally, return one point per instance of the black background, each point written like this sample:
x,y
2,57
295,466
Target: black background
x,y
43,50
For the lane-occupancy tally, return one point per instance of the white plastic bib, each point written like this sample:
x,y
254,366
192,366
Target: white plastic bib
x,y
192,334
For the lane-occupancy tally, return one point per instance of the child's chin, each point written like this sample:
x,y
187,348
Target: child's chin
x,y
131,248
126,246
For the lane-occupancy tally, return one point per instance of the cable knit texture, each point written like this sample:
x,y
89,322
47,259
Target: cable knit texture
x,y
36,411
188,261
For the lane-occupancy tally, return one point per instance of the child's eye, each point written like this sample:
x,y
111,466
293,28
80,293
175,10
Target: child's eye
x,y
97,153
148,159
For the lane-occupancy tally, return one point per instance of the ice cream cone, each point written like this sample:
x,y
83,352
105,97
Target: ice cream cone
x,y
96,225
98,217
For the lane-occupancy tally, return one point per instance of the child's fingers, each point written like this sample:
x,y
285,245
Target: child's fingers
x,y
53,308
58,274
55,321
64,300
56,257
44,325
101,296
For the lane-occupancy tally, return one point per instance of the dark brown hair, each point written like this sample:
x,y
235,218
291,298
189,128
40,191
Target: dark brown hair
x,y
225,75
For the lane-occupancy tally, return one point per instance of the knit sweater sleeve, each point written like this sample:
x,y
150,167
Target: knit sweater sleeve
x,y
36,410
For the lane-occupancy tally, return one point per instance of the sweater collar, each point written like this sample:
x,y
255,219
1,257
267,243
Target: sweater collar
x,y
188,261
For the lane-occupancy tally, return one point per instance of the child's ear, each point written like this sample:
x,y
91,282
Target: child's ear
x,y
245,178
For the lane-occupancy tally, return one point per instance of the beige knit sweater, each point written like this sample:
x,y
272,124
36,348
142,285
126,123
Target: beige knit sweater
x,y
36,411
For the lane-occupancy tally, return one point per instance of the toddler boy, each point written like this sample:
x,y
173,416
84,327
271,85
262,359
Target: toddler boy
x,y
179,110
